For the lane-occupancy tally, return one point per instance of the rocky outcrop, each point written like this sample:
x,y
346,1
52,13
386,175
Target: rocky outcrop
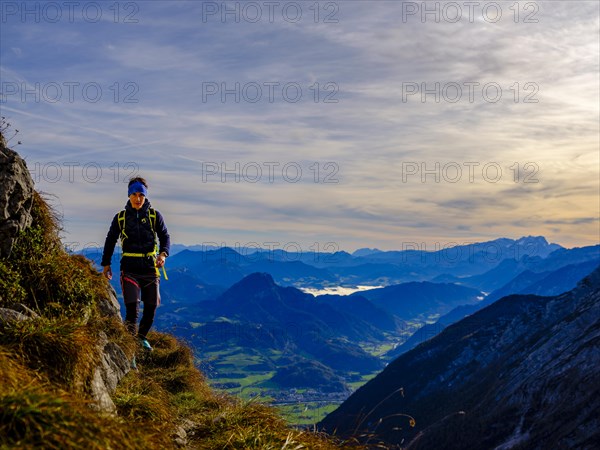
x,y
113,366
16,198
109,305
16,313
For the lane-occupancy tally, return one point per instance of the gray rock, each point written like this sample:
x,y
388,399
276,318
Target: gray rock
x,y
109,306
189,427
183,432
113,366
101,396
9,316
16,198
180,437
19,307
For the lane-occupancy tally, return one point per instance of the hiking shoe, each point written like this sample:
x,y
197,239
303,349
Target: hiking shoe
x,y
133,364
146,345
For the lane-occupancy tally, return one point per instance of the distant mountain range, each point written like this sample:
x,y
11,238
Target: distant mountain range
x,y
483,266
546,283
226,266
220,300
520,373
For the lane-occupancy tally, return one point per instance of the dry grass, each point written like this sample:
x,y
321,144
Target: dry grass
x,y
219,421
43,276
61,350
35,414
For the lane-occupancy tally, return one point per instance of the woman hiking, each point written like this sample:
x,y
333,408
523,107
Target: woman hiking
x,y
138,225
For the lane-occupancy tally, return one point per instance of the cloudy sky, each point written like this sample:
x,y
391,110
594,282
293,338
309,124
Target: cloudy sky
x,y
312,125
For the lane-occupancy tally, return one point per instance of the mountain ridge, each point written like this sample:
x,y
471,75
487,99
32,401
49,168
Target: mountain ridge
x,y
485,374
544,283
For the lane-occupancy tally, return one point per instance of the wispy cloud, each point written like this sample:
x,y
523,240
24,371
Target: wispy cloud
x,y
184,91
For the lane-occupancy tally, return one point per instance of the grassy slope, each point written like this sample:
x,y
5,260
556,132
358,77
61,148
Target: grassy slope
x,y
46,365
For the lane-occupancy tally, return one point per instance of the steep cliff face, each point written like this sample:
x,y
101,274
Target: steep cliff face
x,y
16,197
521,373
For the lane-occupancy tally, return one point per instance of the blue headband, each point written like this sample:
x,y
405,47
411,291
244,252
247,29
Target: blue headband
x,y
137,187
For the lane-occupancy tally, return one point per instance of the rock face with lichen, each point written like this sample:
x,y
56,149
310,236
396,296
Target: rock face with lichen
x,y
16,197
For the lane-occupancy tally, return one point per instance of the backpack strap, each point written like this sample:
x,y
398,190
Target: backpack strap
x,y
121,221
152,215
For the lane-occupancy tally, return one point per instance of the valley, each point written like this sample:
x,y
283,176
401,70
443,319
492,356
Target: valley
x,y
247,374
285,335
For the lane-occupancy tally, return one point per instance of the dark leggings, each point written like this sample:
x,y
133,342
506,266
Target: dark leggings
x,y
138,288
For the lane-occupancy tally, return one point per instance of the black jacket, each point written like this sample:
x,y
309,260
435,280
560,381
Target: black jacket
x,y
140,239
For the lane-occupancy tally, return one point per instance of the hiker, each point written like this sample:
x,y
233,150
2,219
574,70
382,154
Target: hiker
x,y
138,225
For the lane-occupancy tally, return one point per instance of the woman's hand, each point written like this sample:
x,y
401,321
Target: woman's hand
x,y
160,260
107,272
